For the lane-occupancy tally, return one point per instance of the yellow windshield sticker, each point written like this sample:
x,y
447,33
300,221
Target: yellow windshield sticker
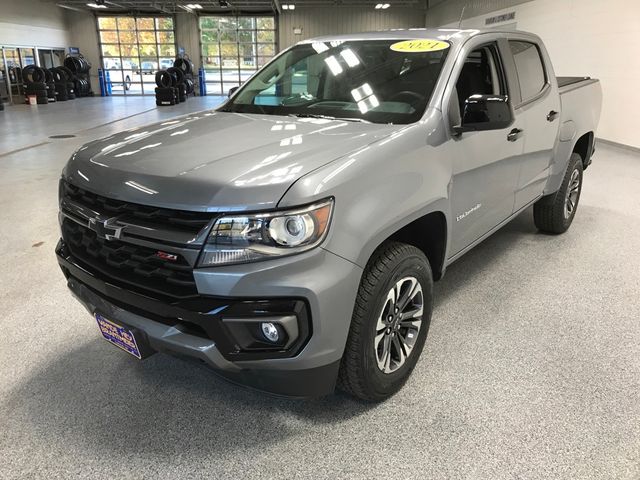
x,y
419,45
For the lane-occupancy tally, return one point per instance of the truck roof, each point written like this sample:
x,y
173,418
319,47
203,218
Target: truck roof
x,y
448,34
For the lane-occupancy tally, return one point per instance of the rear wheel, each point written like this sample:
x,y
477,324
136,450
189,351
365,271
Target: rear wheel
x,y
555,213
389,324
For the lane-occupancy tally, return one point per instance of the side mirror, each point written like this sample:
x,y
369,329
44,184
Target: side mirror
x,y
485,112
232,90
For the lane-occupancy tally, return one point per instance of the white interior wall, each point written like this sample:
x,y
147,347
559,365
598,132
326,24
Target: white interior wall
x,y
32,23
444,12
593,38
334,19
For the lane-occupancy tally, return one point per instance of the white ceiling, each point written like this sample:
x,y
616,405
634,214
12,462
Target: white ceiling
x,y
170,6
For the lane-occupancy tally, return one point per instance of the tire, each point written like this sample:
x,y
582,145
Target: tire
x,y
56,75
189,86
184,65
31,88
67,74
167,94
127,83
77,65
164,79
177,74
361,370
33,74
554,213
48,76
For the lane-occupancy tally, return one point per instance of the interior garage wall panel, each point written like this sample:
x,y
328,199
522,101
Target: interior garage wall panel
x,y
593,38
188,36
449,11
32,23
83,34
335,20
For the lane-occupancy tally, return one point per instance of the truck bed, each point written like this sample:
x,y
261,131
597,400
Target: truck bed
x,y
569,83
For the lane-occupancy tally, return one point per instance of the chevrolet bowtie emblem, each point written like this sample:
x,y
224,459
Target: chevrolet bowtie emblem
x,y
105,228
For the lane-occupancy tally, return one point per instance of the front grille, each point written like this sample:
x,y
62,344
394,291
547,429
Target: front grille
x,y
163,218
125,264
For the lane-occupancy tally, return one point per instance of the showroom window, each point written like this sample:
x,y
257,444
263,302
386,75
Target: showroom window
x,y
133,49
529,66
233,48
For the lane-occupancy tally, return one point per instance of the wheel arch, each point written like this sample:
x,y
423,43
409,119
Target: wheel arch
x,y
429,234
584,148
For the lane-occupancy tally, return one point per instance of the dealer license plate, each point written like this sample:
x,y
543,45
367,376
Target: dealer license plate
x,y
118,335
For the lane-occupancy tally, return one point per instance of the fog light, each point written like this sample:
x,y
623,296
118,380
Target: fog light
x,y
270,331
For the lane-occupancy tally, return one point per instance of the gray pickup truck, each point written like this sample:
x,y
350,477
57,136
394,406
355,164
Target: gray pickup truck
x,y
290,238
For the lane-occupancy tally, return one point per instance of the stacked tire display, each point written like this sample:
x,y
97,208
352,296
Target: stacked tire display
x,y
63,81
51,86
34,79
175,84
57,84
79,68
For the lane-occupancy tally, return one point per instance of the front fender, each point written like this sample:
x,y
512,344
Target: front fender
x,y
379,189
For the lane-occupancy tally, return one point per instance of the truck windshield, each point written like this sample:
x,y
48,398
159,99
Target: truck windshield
x,y
364,80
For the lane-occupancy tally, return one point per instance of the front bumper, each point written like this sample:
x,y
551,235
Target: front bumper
x,y
319,286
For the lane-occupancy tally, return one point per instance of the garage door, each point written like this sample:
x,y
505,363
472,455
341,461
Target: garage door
x,y
233,48
133,49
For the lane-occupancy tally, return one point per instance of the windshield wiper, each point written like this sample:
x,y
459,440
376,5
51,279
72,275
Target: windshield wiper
x,y
328,117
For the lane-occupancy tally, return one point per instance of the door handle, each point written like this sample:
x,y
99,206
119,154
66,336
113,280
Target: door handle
x,y
552,115
514,134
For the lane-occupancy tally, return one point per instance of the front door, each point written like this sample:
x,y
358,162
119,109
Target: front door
x,y
485,163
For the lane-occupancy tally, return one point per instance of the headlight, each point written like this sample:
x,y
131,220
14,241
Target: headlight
x,y
249,238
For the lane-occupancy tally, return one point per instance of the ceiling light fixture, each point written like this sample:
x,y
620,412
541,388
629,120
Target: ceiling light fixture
x,y
95,5
288,6
382,6
194,6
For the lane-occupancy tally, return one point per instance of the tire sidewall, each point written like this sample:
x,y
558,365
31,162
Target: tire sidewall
x,y
575,162
411,265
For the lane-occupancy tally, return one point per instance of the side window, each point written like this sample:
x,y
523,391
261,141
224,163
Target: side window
x,y
531,74
481,75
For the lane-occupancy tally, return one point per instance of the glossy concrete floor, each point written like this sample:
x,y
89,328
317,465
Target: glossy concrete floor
x,y
531,369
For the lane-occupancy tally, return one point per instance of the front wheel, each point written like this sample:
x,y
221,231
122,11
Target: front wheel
x,y
389,324
127,83
555,213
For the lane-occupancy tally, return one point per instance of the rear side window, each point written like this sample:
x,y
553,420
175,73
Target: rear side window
x,y
530,68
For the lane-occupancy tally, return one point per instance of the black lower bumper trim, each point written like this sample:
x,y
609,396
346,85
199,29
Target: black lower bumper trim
x,y
201,316
302,384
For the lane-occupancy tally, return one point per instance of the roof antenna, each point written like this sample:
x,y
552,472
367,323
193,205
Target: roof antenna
x,y
461,15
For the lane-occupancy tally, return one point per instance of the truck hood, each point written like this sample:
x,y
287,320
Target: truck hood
x,y
215,161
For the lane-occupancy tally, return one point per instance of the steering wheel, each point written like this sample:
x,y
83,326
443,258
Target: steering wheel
x,y
416,97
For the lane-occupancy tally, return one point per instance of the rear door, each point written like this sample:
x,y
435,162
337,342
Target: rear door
x,y
538,108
